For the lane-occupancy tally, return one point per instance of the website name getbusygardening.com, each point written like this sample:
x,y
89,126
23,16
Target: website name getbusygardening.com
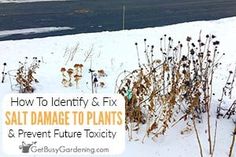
x,y
64,149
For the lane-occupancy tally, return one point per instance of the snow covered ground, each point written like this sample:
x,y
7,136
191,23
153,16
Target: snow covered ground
x,y
115,52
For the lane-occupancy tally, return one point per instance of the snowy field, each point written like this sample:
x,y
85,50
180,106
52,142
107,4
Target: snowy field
x,y
115,52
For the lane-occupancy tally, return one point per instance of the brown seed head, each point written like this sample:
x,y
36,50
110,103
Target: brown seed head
x,y
63,69
76,66
70,71
77,77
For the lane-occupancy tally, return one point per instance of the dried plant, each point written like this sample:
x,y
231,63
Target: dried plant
x,y
4,72
72,75
88,54
95,82
77,78
197,136
162,92
101,73
233,141
102,84
25,75
70,72
227,92
96,79
78,68
70,53
231,110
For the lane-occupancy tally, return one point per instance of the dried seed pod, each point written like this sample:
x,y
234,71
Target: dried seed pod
x,y
102,84
63,70
65,82
77,77
70,71
192,52
189,39
216,43
101,73
76,66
